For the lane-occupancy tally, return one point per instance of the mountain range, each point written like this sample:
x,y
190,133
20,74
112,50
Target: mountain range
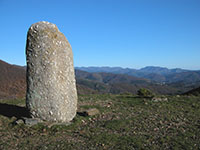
x,y
155,74
119,83
113,80
148,69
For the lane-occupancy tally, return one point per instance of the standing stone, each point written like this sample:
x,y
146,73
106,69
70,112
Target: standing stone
x,y
51,87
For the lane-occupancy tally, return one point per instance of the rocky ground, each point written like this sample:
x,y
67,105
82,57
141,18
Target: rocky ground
x,y
121,122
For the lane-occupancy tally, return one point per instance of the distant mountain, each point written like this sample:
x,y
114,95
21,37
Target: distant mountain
x,y
117,70
161,70
156,74
145,70
109,77
12,81
118,83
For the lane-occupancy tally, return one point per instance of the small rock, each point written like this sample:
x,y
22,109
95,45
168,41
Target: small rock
x,y
31,121
91,112
158,99
110,103
13,118
83,121
165,99
19,121
108,106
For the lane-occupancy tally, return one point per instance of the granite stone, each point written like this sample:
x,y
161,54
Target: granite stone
x,y
51,86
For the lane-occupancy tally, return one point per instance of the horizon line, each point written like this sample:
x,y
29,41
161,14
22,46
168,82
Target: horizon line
x,y
106,66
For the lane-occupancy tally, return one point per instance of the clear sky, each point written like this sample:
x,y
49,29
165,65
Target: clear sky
x,y
126,33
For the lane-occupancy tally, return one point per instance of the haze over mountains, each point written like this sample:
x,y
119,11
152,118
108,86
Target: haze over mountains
x,y
113,80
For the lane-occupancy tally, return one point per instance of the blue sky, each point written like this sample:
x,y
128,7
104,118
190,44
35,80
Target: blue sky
x,y
126,33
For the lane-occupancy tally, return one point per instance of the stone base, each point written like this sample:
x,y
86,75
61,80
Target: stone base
x,y
28,121
35,121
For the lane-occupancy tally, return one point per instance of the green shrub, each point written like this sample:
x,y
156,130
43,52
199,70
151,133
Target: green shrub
x,y
145,93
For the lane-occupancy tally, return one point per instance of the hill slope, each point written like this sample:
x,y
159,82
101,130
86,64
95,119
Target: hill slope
x,y
12,81
195,92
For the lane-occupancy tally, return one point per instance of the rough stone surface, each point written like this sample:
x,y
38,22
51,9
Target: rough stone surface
x,y
51,88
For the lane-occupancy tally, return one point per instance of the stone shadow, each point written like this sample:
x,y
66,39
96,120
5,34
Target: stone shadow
x,y
10,111
83,114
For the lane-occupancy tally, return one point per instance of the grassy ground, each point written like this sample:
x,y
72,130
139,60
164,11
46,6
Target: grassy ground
x,y
125,122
